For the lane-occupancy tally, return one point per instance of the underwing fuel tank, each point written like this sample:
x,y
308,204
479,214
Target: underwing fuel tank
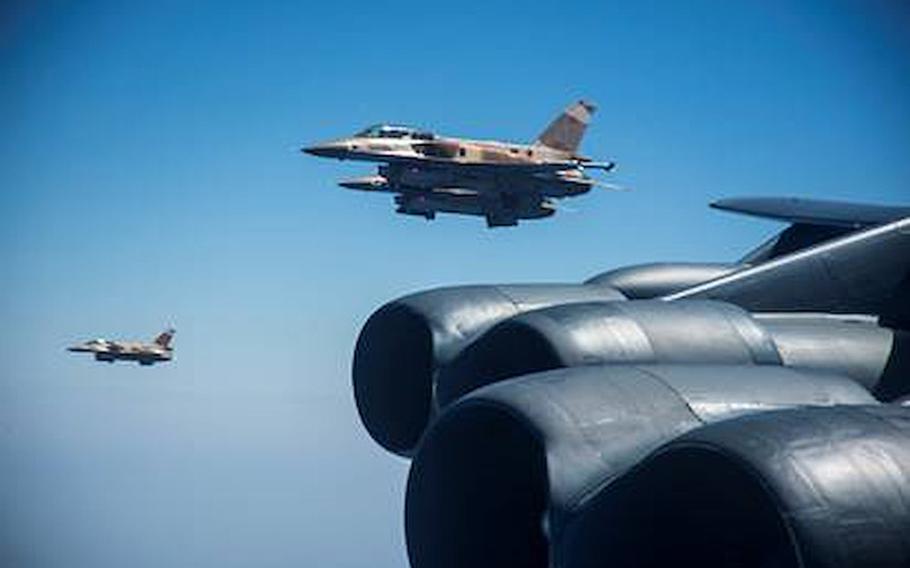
x,y
427,204
367,183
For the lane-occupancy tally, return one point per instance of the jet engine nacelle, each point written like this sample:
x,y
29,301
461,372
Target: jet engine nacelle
x,y
684,331
644,281
403,344
807,487
503,473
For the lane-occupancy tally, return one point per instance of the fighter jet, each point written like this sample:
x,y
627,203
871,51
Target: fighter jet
x,y
144,353
501,181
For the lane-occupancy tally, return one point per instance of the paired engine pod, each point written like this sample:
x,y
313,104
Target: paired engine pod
x,y
402,345
683,331
644,331
855,346
502,472
806,488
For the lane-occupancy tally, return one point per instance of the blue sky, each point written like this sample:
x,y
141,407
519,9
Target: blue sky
x,y
149,176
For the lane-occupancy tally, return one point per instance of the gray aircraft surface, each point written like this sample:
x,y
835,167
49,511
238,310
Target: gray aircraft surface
x,y
501,181
750,414
159,350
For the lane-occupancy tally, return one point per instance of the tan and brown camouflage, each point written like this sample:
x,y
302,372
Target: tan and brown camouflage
x,y
501,181
159,350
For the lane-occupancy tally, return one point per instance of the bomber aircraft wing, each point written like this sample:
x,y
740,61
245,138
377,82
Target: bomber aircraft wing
x,y
811,221
732,415
814,211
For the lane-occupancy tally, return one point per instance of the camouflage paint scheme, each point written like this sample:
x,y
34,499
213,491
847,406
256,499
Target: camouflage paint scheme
x,y
158,350
501,181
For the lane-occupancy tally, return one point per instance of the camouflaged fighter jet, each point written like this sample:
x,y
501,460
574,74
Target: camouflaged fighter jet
x,y
145,353
501,181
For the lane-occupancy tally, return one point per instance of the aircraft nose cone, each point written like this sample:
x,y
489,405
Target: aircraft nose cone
x,y
329,150
312,150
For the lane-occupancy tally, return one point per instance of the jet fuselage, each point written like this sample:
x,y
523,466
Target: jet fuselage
x,y
159,350
502,181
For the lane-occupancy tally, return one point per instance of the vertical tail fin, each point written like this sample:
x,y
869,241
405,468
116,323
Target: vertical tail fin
x,y
565,133
164,339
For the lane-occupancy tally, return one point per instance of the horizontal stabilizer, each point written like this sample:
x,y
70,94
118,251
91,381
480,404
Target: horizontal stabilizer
x,y
814,211
603,166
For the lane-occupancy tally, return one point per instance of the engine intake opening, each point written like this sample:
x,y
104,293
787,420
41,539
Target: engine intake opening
x,y
393,366
477,494
691,505
511,349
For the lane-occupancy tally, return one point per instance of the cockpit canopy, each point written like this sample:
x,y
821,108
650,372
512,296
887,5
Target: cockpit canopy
x,y
394,131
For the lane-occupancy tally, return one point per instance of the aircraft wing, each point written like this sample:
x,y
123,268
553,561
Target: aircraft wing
x,y
857,273
755,416
516,167
814,211
812,221
531,168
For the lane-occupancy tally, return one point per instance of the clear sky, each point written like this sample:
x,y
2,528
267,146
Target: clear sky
x,y
149,177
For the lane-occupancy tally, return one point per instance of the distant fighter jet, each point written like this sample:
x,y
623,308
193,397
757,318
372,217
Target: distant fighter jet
x,y
145,353
501,181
